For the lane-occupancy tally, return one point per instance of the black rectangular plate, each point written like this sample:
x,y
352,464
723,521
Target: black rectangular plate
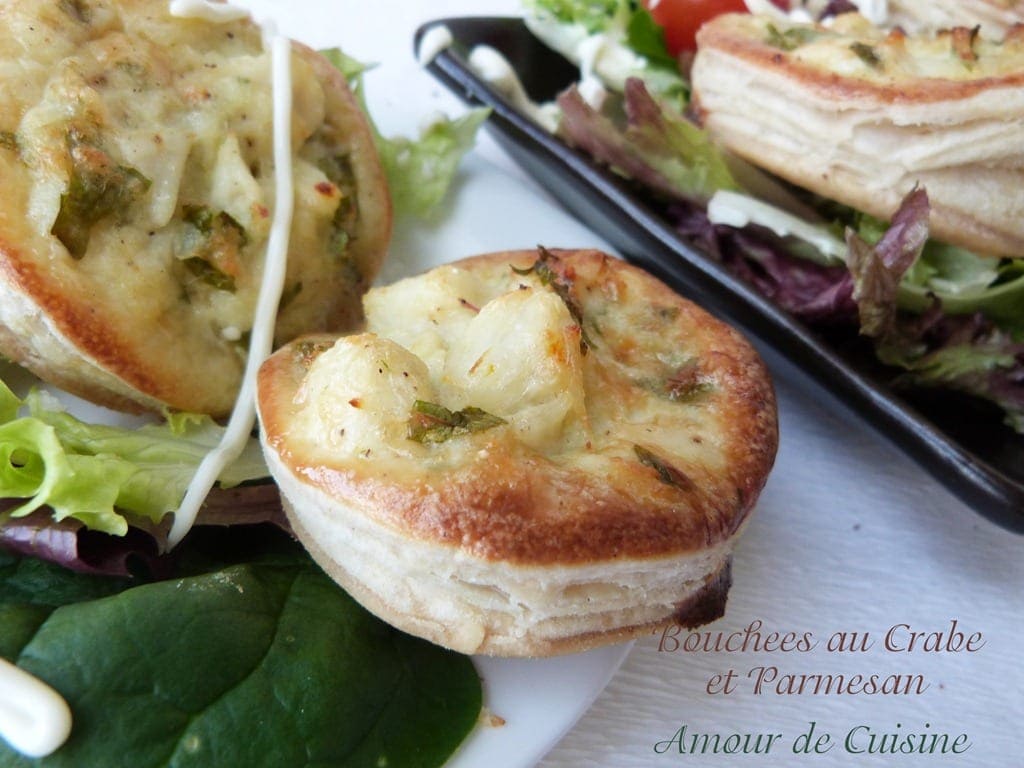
x,y
960,442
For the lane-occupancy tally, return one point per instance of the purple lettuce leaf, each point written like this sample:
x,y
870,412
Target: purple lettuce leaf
x,y
836,8
966,353
69,543
656,146
878,269
817,294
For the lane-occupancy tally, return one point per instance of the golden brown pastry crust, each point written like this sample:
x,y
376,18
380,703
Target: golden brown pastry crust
x,y
994,16
127,336
498,506
861,116
521,506
744,36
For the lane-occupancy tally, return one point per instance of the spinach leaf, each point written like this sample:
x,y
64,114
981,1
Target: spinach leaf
x,y
257,664
30,590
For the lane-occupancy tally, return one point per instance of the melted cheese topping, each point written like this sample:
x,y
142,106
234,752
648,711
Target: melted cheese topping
x,y
207,11
853,47
243,417
34,719
517,357
507,343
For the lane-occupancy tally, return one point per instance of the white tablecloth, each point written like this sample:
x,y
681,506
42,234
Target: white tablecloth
x,y
850,541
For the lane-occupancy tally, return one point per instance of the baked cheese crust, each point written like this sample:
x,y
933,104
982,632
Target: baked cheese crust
x,y
994,17
862,115
523,453
136,151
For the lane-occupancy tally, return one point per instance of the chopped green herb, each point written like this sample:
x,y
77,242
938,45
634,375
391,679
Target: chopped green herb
x,y
338,170
686,383
867,54
666,472
562,286
218,245
792,38
433,423
98,187
134,69
209,274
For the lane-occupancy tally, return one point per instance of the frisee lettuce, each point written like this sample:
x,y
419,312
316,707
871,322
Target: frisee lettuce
x,y
104,475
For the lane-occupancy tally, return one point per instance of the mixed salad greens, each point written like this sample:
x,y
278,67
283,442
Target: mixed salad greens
x,y
249,656
235,648
940,315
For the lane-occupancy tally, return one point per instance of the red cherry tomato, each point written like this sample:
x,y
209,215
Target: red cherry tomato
x,y
682,18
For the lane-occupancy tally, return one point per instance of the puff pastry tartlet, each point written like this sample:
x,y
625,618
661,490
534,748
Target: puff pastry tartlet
x,y
994,16
136,153
861,115
525,453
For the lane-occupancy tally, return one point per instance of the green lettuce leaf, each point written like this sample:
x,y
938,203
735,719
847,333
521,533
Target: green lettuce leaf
x,y
265,663
655,146
633,42
592,15
966,353
966,283
419,171
100,474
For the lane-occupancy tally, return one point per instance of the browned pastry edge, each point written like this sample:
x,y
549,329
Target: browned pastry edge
x,y
521,507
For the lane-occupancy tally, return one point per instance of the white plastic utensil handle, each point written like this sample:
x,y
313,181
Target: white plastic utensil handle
x,y
34,719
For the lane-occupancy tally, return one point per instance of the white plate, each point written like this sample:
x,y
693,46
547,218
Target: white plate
x,y
537,700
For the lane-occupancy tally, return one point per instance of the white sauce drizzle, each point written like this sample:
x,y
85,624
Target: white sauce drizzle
x,y
495,70
435,40
34,719
738,210
590,86
243,416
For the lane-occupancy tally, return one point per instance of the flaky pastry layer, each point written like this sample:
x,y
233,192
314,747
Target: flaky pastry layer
x,y
617,439
861,116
